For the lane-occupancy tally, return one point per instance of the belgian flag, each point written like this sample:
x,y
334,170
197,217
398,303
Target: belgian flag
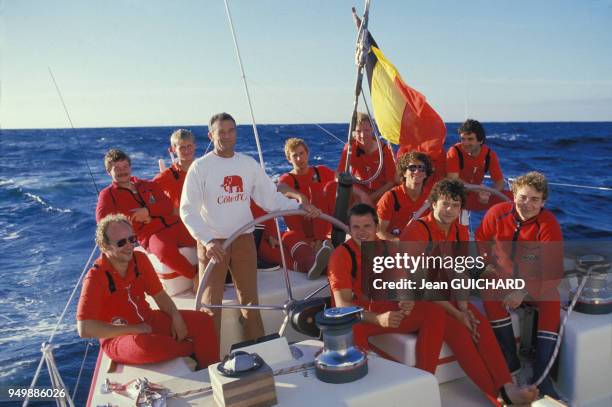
x,y
402,114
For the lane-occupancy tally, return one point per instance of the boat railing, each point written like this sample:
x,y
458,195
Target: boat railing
x,y
47,347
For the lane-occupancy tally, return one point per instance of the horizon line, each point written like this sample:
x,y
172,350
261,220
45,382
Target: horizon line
x,y
283,124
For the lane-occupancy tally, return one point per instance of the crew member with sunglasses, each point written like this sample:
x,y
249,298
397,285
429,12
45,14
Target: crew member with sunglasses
x,y
397,206
151,212
112,306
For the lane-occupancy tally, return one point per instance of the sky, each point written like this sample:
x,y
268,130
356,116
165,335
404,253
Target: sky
x,y
150,63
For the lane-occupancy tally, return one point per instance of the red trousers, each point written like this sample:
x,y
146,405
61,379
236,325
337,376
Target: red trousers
x,y
299,255
549,316
427,318
165,245
483,361
159,345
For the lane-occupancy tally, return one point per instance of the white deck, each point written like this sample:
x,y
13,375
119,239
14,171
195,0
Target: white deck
x,y
291,389
588,353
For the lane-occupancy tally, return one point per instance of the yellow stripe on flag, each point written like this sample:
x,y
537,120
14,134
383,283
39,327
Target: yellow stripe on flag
x,y
387,100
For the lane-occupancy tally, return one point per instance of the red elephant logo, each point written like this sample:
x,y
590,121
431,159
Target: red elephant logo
x,y
232,183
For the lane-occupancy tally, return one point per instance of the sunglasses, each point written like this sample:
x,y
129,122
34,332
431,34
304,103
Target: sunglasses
x,y
123,242
416,167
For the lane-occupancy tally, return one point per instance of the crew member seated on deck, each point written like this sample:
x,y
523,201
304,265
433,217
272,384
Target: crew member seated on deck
x,y
468,333
310,181
157,228
113,308
364,160
470,160
299,253
526,241
397,206
215,203
171,179
380,317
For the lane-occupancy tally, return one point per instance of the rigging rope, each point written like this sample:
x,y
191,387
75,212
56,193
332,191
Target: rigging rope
x,y
259,151
76,386
59,93
329,132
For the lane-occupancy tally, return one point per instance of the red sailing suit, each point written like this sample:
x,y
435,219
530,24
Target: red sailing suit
x,y
426,318
110,298
161,236
299,255
171,181
473,169
364,165
311,185
538,258
483,361
397,208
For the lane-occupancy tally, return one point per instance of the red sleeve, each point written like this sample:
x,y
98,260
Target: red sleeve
x,y
164,181
329,192
91,299
287,180
160,178
389,164
162,205
326,173
485,234
384,207
494,168
464,233
152,284
552,253
486,230
452,161
342,162
415,232
339,270
550,230
105,204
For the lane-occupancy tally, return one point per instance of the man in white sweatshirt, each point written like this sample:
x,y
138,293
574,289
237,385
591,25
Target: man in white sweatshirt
x,y
215,203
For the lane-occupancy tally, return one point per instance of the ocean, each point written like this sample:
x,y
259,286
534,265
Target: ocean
x,y
48,198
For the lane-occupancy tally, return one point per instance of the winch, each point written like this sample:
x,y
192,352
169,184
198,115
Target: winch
x,y
596,296
339,361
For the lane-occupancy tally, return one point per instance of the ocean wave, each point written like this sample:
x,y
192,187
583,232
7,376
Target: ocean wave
x,y
507,136
10,235
564,142
21,182
47,207
139,155
9,369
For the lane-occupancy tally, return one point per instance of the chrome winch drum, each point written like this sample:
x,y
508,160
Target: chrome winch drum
x,y
596,296
339,361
